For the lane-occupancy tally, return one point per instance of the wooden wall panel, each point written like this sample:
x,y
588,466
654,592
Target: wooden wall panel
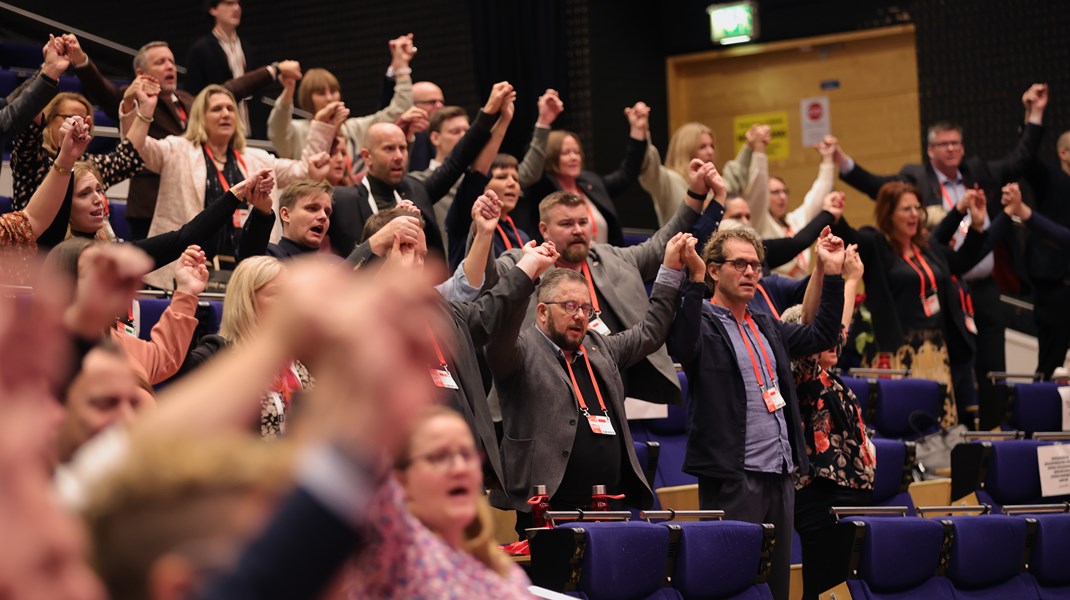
x,y
874,111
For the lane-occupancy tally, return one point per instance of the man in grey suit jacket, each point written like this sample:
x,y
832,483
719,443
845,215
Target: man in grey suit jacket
x,y
617,276
561,391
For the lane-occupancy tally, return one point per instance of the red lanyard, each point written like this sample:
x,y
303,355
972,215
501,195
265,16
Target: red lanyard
x,y
964,298
590,287
947,198
438,349
594,382
183,118
772,307
505,238
750,350
219,173
924,265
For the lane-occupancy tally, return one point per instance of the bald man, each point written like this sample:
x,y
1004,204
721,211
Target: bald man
x,y
387,183
428,96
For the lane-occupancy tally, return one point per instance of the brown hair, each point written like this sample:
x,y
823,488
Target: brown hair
x,y
553,280
381,218
442,115
553,149
504,161
713,252
315,80
564,198
301,189
887,201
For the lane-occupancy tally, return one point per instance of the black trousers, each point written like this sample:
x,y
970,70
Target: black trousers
x,y
758,498
822,567
991,354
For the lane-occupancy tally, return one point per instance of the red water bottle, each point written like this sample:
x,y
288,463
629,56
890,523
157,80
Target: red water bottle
x,y
884,361
540,504
600,499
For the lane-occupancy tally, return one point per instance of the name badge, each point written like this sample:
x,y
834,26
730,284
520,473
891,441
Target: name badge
x,y
971,325
241,215
443,379
931,304
598,325
773,400
601,425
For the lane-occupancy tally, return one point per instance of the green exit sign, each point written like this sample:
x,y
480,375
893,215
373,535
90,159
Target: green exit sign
x,y
733,23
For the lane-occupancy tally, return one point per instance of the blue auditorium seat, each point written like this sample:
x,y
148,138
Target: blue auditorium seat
x,y
5,204
898,558
1036,407
722,560
1049,564
69,83
623,561
897,399
671,435
987,558
100,118
118,220
20,55
891,480
862,389
999,472
151,309
648,453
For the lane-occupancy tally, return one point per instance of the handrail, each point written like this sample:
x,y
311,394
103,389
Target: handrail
x,y
984,508
146,293
81,33
995,376
670,514
859,371
999,435
587,515
862,511
1051,435
1018,509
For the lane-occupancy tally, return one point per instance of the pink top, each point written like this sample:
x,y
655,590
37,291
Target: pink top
x,y
171,336
406,560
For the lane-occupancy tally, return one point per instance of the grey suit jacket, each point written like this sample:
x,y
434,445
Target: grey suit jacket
x,y
540,412
620,275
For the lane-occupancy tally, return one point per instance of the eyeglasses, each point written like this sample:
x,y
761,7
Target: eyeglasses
x,y
741,265
443,460
783,192
434,102
573,308
948,144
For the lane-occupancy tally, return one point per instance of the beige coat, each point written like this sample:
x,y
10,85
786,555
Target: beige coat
x,y
183,176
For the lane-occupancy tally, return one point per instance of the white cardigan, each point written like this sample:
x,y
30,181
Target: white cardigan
x,y
183,177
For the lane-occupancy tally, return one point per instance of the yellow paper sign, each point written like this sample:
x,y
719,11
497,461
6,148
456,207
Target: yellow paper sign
x,y
778,148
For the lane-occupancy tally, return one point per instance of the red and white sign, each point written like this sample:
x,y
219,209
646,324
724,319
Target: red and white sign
x,y
814,116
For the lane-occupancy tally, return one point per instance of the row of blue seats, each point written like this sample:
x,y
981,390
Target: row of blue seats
x,y
996,557
999,472
714,560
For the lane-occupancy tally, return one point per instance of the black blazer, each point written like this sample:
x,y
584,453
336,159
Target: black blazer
x,y
990,175
600,190
206,63
351,207
716,407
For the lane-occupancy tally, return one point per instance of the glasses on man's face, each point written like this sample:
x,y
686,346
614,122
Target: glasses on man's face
x,y
741,264
573,308
435,102
948,144
443,460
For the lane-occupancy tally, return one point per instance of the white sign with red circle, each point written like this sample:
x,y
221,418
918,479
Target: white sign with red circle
x,y
814,116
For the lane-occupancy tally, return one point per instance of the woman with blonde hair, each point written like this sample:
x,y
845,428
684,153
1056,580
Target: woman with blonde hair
x,y
199,167
251,292
36,147
320,89
443,545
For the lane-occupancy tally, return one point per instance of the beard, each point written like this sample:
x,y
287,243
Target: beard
x,y
558,334
575,254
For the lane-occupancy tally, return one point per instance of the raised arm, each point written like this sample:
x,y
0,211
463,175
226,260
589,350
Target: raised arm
x,y
439,182
486,211
280,126
33,98
99,89
628,171
822,186
503,351
823,332
1049,231
1012,166
530,168
486,156
45,203
756,192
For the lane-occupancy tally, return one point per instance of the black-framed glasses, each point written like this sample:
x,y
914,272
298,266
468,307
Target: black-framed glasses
x,y
575,307
443,460
948,144
740,264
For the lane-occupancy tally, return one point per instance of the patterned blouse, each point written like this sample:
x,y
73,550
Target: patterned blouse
x,y
835,434
276,403
18,247
405,560
30,162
